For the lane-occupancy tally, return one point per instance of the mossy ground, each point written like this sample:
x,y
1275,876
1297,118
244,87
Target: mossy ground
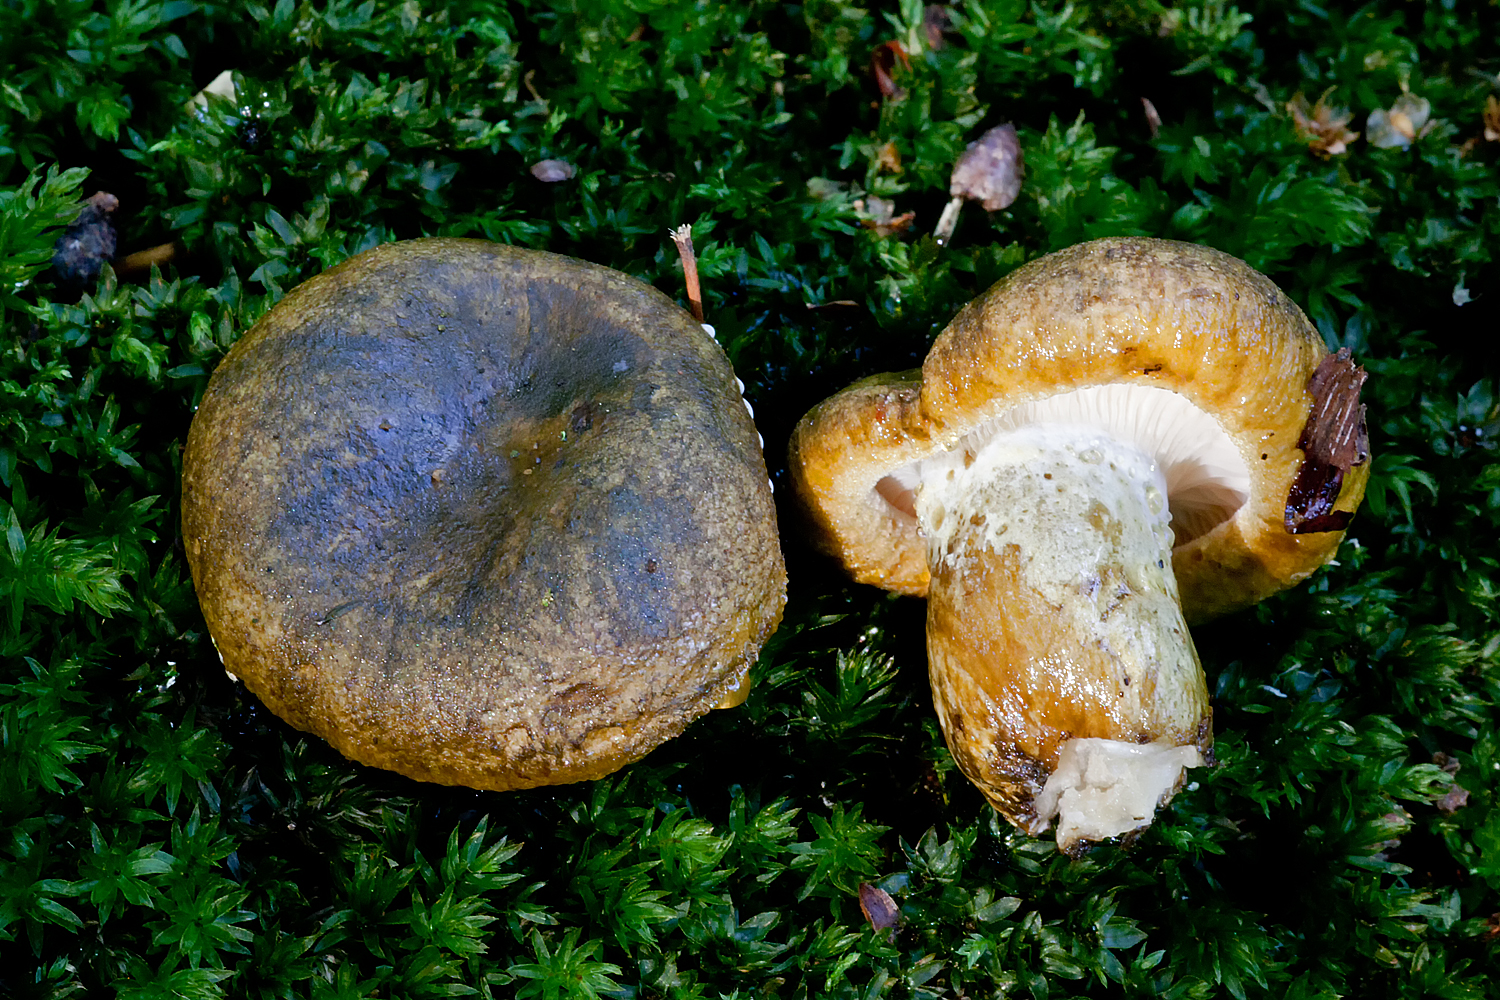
x,y
163,835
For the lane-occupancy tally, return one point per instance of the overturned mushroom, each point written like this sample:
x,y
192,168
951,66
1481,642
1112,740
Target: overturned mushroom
x,y
482,515
1116,440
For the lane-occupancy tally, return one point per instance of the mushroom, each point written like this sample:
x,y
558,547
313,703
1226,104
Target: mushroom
x,y
1116,440
481,515
989,171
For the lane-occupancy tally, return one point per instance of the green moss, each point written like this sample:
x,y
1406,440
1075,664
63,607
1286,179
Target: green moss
x,y
162,835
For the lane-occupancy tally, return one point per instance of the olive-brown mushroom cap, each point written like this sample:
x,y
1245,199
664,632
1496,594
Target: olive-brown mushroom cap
x,y
481,515
1135,311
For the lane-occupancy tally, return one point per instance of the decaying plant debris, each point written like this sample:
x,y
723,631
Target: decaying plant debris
x,y
165,836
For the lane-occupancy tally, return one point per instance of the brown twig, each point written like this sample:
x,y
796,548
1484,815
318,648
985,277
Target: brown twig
x,y
683,237
140,262
526,80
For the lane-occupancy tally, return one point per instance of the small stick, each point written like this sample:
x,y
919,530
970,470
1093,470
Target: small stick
x,y
683,237
535,96
948,221
141,261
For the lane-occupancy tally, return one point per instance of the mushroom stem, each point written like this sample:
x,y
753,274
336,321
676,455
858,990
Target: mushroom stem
x,y
948,221
1063,673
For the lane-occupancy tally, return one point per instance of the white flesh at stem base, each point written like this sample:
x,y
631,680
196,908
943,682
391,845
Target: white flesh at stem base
x,y
1105,788
1053,603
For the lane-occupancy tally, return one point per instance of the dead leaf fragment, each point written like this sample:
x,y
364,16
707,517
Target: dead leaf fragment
x,y
990,169
883,65
934,23
879,908
1333,440
1457,796
880,215
552,171
1153,117
1404,123
221,86
824,189
1492,119
889,158
1322,126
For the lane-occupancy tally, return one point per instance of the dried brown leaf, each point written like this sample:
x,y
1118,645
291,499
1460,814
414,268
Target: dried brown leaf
x,y
1333,440
883,65
1322,126
880,215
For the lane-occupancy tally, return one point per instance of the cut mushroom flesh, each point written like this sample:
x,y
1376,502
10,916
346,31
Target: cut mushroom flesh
x,y
1063,671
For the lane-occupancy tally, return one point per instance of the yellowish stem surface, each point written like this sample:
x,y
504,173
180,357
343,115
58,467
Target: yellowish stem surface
x,y
1053,617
